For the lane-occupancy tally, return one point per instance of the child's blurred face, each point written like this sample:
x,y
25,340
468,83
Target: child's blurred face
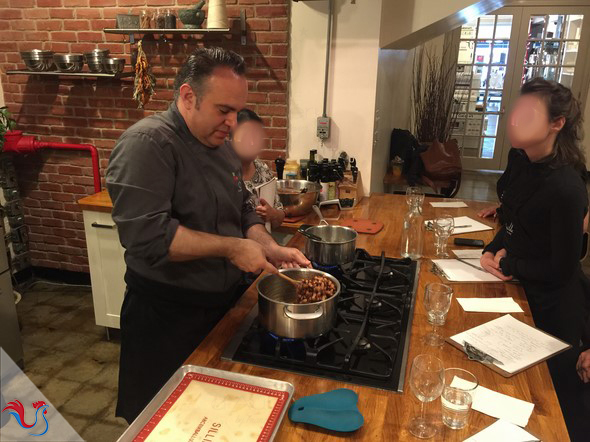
x,y
528,122
248,140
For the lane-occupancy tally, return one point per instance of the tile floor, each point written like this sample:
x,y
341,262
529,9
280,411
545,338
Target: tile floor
x,y
69,358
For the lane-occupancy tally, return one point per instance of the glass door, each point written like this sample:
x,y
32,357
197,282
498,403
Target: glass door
x,y
483,81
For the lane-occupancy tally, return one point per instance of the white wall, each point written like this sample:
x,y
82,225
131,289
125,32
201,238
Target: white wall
x,y
352,83
392,108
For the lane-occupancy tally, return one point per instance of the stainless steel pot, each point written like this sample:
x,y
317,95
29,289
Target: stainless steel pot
x,y
298,196
329,245
279,313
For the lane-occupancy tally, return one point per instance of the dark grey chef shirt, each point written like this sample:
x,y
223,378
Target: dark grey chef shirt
x,y
159,177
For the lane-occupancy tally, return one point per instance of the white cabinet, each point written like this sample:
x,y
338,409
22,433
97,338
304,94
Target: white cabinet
x,y
107,267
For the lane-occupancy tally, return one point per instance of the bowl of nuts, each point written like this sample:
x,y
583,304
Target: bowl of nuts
x,y
303,310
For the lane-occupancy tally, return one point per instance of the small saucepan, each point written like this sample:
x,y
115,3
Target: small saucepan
x,y
328,245
280,314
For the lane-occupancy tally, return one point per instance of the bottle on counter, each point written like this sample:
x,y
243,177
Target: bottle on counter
x,y
291,170
160,19
303,164
413,233
280,165
169,19
324,179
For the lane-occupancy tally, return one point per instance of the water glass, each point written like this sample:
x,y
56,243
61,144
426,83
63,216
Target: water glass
x,y
415,197
426,382
443,227
437,302
457,397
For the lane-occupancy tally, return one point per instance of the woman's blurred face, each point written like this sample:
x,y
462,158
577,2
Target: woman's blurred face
x,y
248,140
528,122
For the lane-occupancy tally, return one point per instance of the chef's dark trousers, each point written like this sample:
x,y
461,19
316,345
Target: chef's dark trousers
x,y
157,335
565,320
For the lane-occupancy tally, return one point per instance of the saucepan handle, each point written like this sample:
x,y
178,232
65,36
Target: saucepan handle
x,y
303,316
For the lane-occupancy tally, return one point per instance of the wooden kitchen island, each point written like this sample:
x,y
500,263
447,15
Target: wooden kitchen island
x,y
387,413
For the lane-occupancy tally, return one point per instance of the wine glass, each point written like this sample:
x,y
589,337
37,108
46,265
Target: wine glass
x,y
437,301
426,382
443,228
414,197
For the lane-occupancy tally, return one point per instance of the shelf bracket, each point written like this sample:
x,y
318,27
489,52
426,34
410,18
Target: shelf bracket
x,y
243,27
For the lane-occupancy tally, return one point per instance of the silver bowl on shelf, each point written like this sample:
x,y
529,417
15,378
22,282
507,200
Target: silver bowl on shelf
x,y
69,62
298,196
38,60
95,59
113,65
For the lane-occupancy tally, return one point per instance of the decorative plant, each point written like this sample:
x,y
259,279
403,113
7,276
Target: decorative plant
x,y
6,123
433,90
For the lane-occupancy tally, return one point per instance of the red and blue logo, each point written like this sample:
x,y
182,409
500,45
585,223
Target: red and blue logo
x,y
17,410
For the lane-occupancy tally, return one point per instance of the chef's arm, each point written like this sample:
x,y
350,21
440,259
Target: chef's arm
x,y
258,233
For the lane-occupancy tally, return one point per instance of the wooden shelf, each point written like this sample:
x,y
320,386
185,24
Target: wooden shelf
x,y
165,31
71,74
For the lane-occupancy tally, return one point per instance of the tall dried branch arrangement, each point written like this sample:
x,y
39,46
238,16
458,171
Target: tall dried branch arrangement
x,y
433,86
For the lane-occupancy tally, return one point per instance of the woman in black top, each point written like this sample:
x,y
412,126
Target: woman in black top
x,y
543,204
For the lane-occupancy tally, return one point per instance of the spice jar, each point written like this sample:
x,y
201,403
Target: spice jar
x,y
145,21
170,19
160,19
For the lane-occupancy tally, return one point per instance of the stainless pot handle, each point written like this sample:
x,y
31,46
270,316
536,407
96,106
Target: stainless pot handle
x,y
303,316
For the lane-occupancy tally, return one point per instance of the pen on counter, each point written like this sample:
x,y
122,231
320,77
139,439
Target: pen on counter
x,y
470,265
462,227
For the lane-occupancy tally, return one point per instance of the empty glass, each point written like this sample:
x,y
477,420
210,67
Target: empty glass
x,y
426,382
437,301
443,227
415,197
457,397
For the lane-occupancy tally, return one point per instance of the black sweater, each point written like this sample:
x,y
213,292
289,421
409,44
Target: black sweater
x,y
542,210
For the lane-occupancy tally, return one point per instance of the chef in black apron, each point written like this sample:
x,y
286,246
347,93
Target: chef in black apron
x,y
183,217
543,205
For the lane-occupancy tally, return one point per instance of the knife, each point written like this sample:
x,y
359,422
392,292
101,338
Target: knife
x,y
471,265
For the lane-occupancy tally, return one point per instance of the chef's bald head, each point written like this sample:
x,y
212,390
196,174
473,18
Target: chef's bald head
x,y
201,64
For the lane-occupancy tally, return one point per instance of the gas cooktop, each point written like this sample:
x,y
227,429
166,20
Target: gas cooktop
x,y
369,342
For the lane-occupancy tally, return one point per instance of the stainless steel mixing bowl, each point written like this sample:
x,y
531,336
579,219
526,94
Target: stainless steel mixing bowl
x,y
298,196
113,65
69,62
38,60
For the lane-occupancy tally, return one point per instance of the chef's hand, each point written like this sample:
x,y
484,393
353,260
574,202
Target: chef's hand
x,y
487,212
583,366
249,256
490,265
287,257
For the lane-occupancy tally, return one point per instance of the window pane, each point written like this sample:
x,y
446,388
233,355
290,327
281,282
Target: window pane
x,y
476,98
494,101
503,26
550,73
555,26
463,78
500,52
566,76
471,146
458,127
480,77
473,124
482,51
487,147
570,53
490,124
536,26
573,27
550,52
486,26
468,29
496,80
466,50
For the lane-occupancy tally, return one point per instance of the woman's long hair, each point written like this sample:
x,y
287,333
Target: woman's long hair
x,y
561,103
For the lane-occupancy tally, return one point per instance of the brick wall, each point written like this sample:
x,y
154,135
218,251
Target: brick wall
x,y
97,111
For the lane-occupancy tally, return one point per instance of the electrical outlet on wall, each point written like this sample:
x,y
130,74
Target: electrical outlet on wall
x,y
323,128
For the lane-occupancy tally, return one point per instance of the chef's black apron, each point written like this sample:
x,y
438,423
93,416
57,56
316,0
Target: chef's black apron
x,y
161,326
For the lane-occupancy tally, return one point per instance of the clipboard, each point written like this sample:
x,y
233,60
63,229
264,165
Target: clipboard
x,y
503,372
441,274
266,191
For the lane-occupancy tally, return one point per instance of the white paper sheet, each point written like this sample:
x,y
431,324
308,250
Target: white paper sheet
x,y
496,404
449,205
468,253
491,305
267,192
504,431
457,271
474,226
512,342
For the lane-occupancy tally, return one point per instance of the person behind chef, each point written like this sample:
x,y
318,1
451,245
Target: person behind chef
x,y
544,202
248,141
183,217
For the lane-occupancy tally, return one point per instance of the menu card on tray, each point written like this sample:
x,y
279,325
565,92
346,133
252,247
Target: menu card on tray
x,y
513,345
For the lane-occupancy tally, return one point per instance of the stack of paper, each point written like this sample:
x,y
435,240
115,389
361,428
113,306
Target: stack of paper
x,y
504,431
513,343
457,271
491,305
449,204
464,224
496,404
266,191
